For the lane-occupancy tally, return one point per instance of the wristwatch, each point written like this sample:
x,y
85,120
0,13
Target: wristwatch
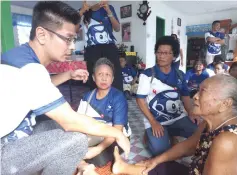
x,y
110,15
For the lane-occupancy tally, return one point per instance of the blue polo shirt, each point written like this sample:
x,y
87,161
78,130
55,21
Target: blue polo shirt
x,y
39,94
113,108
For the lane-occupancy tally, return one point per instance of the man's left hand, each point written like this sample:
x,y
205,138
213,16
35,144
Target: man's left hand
x,y
79,74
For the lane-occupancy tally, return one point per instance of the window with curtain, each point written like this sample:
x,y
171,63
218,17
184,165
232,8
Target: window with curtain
x,y
21,28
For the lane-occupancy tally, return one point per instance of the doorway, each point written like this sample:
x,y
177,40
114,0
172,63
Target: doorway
x,y
160,27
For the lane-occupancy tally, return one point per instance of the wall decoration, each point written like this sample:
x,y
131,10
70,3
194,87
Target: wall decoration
x,y
126,11
144,11
126,32
198,30
178,22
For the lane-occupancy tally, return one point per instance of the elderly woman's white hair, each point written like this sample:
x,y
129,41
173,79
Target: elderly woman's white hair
x,y
228,88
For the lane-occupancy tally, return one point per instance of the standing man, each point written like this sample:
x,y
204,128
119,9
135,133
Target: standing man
x,y
55,146
214,40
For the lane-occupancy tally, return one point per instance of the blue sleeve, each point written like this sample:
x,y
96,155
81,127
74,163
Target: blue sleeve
x,y
85,97
114,13
187,76
184,91
134,73
226,67
120,110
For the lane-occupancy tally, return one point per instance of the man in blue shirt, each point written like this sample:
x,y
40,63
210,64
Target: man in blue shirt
x,y
214,40
27,92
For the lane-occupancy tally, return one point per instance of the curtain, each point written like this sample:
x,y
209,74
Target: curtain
x,y
21,28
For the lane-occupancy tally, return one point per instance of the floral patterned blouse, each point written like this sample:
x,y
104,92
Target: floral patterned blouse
x,y
202,150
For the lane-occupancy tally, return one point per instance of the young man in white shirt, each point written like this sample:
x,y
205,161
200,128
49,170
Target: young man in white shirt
x,y
27,91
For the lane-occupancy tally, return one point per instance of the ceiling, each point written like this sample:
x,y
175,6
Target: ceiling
x,y
201,7
185,7
31,4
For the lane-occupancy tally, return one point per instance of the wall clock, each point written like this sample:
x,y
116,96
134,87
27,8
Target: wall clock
x,y
144,11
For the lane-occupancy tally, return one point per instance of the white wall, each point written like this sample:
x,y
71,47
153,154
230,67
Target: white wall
x,y
163,11
138,30
209,18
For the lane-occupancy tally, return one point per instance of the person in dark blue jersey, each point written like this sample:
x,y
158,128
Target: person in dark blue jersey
x,y
99,22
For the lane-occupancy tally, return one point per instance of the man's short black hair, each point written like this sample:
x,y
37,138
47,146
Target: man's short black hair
x,y
52,14
168,40
174,35
217,58
215,22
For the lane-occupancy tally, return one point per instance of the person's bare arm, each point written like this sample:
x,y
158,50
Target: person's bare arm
x,y
113,20
73,122
78,74
222,157
220,41
182,149
211,39
108,141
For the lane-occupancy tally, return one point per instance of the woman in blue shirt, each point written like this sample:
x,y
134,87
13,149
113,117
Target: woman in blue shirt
x,y
197,75
99,21
108,105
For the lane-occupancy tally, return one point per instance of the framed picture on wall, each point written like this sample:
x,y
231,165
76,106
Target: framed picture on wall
x,y
179,22
126,11
126,32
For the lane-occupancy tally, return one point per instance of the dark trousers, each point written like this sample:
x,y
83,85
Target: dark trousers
x,y
110,51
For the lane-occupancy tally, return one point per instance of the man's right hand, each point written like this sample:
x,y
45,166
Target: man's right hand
x,y
124,143
157,129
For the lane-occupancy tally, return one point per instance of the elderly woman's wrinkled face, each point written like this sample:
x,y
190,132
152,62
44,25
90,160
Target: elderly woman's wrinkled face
x,y
164,55
207,101
103,77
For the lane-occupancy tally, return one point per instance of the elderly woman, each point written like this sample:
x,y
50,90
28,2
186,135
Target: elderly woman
x,y
214,143
161,93
108,105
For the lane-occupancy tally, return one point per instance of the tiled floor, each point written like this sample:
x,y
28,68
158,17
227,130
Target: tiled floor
x,y
135,118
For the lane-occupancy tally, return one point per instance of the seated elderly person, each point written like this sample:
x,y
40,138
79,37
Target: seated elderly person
x,y
108,105
195,76
162,91
213,145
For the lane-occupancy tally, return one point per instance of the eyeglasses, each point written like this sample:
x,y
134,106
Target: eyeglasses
x,y
68,40
164,53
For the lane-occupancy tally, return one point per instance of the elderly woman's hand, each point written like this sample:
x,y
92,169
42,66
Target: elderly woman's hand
x,y
149,164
